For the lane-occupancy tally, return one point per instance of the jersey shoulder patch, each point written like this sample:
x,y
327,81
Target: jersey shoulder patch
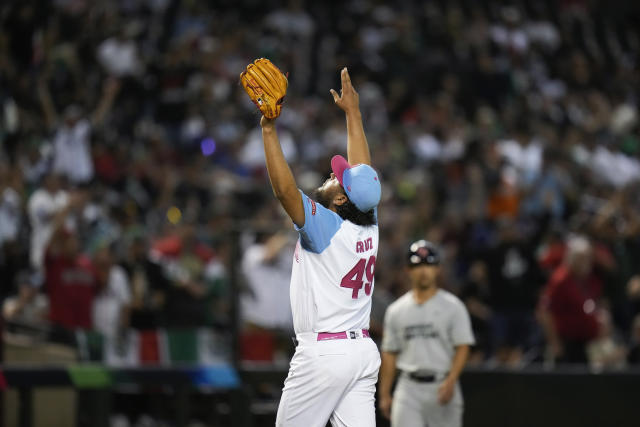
x,y
313,206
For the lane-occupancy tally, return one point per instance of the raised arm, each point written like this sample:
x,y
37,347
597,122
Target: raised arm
x,y
282,182
349,102
109,92
48,108
75,202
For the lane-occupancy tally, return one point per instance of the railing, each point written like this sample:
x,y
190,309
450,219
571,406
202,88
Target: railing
x,y
564,397
95,383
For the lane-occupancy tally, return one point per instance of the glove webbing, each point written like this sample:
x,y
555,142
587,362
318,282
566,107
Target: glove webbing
x,y
263,80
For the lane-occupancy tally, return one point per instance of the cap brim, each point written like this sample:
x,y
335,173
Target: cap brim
x,y
338,165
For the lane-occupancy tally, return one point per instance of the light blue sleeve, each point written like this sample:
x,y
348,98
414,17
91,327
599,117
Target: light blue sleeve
x,y
320,225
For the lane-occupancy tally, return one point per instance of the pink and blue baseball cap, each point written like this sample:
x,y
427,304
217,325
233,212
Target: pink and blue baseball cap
x,y
360,183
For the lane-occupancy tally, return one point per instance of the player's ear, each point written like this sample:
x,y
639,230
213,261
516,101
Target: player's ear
x,y
340,199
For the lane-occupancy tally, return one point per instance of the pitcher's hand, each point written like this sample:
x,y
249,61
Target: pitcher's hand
x,y
267,123
348,100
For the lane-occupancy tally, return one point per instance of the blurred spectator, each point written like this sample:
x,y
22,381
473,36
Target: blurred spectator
x,y
43,206
148,285
112,300
70,281
633,294
71,155
12,226
633,356
476,294
544,190
119,54
514,280
10,208
267,270
607,350
522,153
553,248
265,307
568,307
197,279
29,306
616,225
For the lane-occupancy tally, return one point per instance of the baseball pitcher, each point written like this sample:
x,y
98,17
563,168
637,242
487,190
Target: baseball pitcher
x,y
427,334
334,370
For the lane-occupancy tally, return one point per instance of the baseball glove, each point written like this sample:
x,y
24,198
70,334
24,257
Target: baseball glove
x,y
266,86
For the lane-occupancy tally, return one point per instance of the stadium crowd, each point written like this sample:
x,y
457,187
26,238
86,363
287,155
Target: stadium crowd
x,y
507,134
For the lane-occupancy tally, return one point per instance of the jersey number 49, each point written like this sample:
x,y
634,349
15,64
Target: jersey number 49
x,y
354,278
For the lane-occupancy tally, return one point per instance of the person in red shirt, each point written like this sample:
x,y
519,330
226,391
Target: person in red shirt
x,y
569,303
69,276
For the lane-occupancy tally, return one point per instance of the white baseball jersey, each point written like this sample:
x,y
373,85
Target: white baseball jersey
x,y
332,274
425,335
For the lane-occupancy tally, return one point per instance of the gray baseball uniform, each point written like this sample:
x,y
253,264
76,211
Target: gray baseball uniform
x,y
424,337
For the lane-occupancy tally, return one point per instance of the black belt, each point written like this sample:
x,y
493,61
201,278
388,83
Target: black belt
x,y
421,377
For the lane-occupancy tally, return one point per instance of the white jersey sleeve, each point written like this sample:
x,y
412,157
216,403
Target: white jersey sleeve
x,y
391,337
461,331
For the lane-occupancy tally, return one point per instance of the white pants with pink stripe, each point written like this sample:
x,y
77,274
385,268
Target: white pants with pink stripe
x,y
330,380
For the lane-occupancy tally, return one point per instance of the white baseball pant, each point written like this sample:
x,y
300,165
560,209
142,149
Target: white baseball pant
x,y
416,405
330,380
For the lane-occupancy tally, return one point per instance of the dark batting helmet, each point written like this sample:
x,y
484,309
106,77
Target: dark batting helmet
x,y
423,252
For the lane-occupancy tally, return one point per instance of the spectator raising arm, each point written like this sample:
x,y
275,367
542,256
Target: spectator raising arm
x,y
109,92
76,200
48,108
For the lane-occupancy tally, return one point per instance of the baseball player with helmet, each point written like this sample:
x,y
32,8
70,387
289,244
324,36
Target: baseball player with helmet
x,y
334,370
427,334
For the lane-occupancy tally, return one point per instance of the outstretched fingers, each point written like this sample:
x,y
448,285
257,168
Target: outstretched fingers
x,y
347,89
346,80
336,97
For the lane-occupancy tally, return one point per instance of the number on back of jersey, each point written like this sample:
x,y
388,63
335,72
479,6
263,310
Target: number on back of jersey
x,y
354,278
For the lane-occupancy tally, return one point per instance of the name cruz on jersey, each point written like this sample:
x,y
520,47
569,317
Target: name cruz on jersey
x,y
364,246
332,276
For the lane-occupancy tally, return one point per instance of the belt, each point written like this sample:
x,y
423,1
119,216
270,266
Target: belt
x,y
327,336
424,378
352,335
